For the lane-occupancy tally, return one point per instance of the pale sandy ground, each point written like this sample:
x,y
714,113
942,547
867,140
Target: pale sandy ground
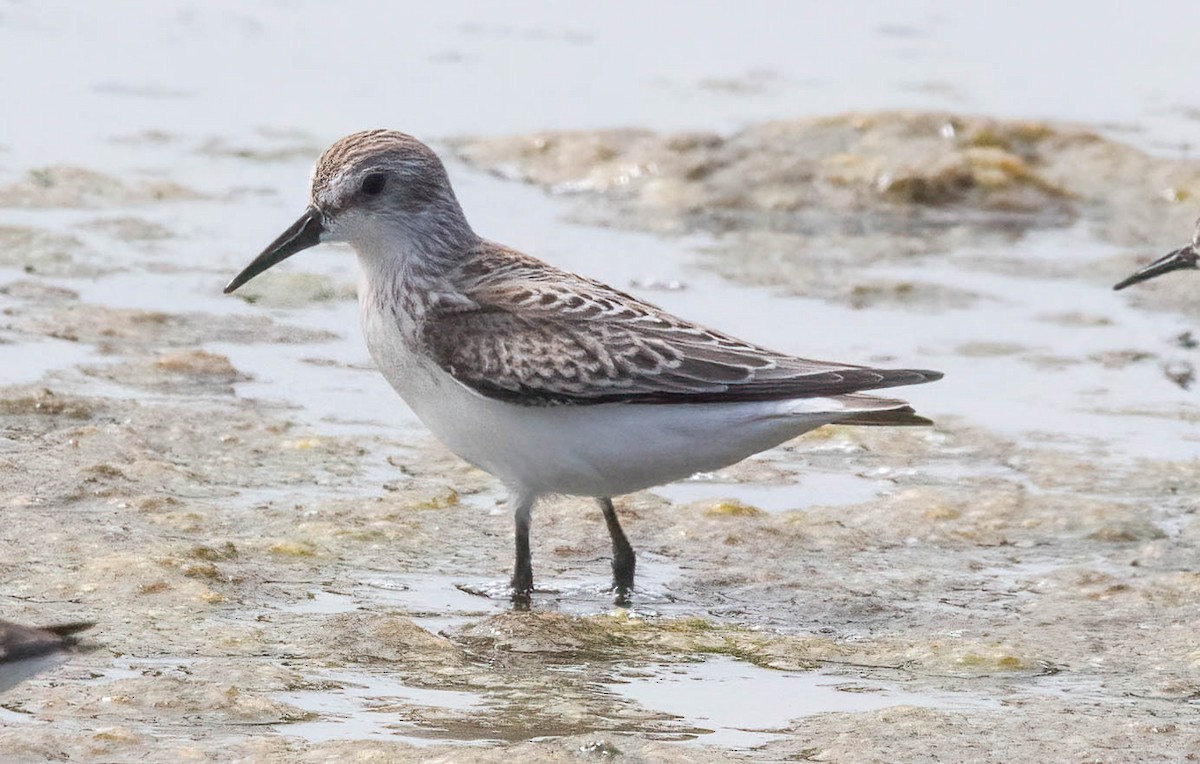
x,y
274,582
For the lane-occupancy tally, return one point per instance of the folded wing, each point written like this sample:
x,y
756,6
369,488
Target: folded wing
x,y
570,341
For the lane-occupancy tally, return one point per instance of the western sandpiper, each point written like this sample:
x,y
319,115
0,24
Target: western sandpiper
x,y
26,650
1176,259
550,381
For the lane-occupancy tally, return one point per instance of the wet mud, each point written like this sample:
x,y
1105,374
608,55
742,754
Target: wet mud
x,y
284,566
794,204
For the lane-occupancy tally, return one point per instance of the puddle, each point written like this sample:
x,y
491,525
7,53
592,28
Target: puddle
x,y
808,488
653,595
375,707
437,603
12,717
745,706
27,362
443,603
321,602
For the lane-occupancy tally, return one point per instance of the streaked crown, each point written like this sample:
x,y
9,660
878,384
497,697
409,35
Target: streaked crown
x,y
338,178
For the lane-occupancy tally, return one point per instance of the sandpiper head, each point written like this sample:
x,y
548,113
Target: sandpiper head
x,y
369,186
1178,259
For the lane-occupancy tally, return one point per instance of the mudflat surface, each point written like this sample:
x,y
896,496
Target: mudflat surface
x,y
284,566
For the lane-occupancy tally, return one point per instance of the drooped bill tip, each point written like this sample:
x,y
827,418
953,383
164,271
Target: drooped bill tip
x,y
1179,259
304,233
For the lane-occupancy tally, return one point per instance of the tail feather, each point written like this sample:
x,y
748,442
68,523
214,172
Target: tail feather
x,y
870,411
67,629
898,417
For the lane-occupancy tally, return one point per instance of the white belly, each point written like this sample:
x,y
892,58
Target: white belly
x,y
601,450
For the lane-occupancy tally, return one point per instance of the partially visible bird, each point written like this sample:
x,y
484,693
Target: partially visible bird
x,y
1175,260
26,650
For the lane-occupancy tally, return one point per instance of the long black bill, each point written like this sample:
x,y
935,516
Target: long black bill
x,y
1184,257
304,233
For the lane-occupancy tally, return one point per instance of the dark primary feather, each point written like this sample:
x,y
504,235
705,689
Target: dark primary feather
x,y
539,336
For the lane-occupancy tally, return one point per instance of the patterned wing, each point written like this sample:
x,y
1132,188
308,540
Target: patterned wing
x,y
565,340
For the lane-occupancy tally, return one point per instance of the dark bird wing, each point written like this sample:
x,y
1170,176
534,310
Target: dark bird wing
x,y
536,336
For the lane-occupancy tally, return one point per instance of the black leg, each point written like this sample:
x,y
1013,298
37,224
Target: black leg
x,y
624,560
522,580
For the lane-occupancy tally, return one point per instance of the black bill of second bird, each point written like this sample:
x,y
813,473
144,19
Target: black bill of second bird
x,y
1184,258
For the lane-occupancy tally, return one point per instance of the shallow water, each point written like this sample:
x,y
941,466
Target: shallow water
x,y
739,706
666,66
272,541
364,711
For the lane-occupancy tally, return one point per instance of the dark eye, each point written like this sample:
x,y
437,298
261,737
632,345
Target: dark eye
x,y
373,184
